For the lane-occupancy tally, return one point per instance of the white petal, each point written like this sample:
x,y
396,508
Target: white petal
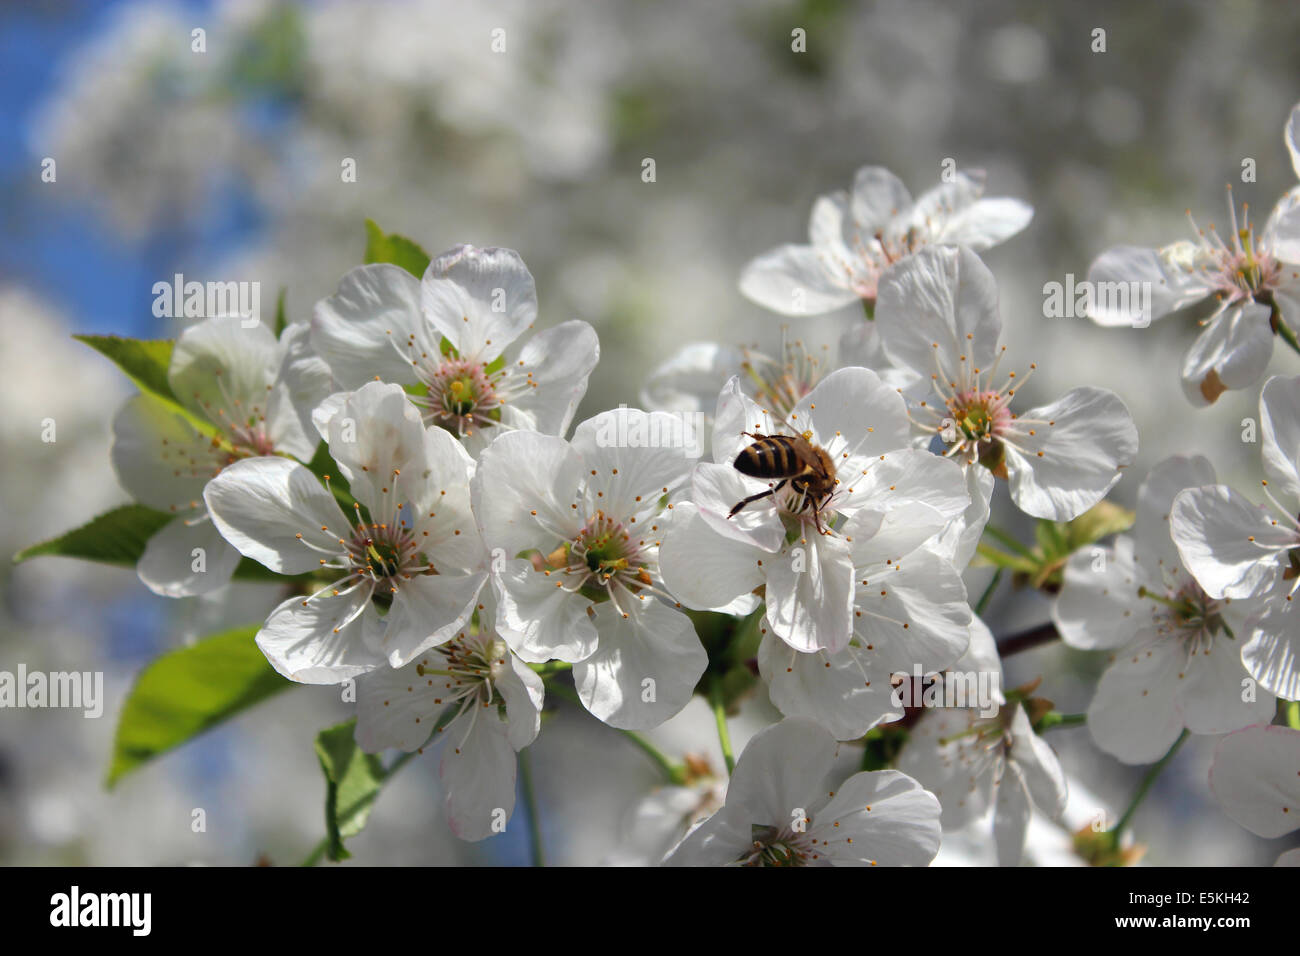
x,y
523,691
701,568
1098,607
304,381
644,669
1232,352
1011,817
160,458
377,433
632,458
1255,777
853,412
1080,443
1272,654
429,610
398,707
1040,769
879,818
324,639
913,611
1151,531
794,280
277,512
905,479
937,307
480,299
837,691
878,196
1116,275
221,370
1229,544
950,762
781,770
1279,410
810,593
541,619
477,770
1135,714
521,473
689,380
986,222
716,489
1212,692
363,330
183,559
556,364
1291,136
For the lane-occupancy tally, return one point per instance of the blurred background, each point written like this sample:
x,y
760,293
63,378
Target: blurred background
x,y
225,165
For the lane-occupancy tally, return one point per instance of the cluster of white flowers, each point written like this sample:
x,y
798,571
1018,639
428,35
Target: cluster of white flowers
x,y
409,459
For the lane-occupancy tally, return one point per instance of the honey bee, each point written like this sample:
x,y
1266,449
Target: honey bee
x,y
789,458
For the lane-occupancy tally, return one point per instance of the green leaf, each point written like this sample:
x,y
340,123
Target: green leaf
x,y
353,779
145,361
116,537
188,691
119,537
398,250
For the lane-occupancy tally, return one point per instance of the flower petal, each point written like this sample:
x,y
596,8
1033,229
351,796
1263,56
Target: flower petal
x,y
365,329
184,559
794,280
1254,779
480,299
555,364
326,639
644,669
477,770
1078,446
1232,352
1230,545
539,618
938,312
277,512
879,818
810,593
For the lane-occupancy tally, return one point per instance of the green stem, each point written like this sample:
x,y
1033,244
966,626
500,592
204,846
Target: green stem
x,y
1054,718
1293,714
869,309
983,602
1284,330
1145,787
530,804
1003,538
720,715
550,667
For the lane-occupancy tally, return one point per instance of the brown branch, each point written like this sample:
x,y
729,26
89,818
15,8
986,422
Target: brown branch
x,y
1027,640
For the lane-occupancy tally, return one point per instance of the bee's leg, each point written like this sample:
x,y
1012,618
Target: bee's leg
x,y
752,498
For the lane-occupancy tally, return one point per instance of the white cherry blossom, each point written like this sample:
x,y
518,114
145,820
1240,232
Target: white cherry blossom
x,y
854,239
1177,651
407,565
1239,550
780,812
245,394
448,335
497,703
938,317
574,530
1250,279
974,764
888,500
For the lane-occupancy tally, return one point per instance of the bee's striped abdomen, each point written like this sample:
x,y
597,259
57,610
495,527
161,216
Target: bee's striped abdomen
x,y
769,457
